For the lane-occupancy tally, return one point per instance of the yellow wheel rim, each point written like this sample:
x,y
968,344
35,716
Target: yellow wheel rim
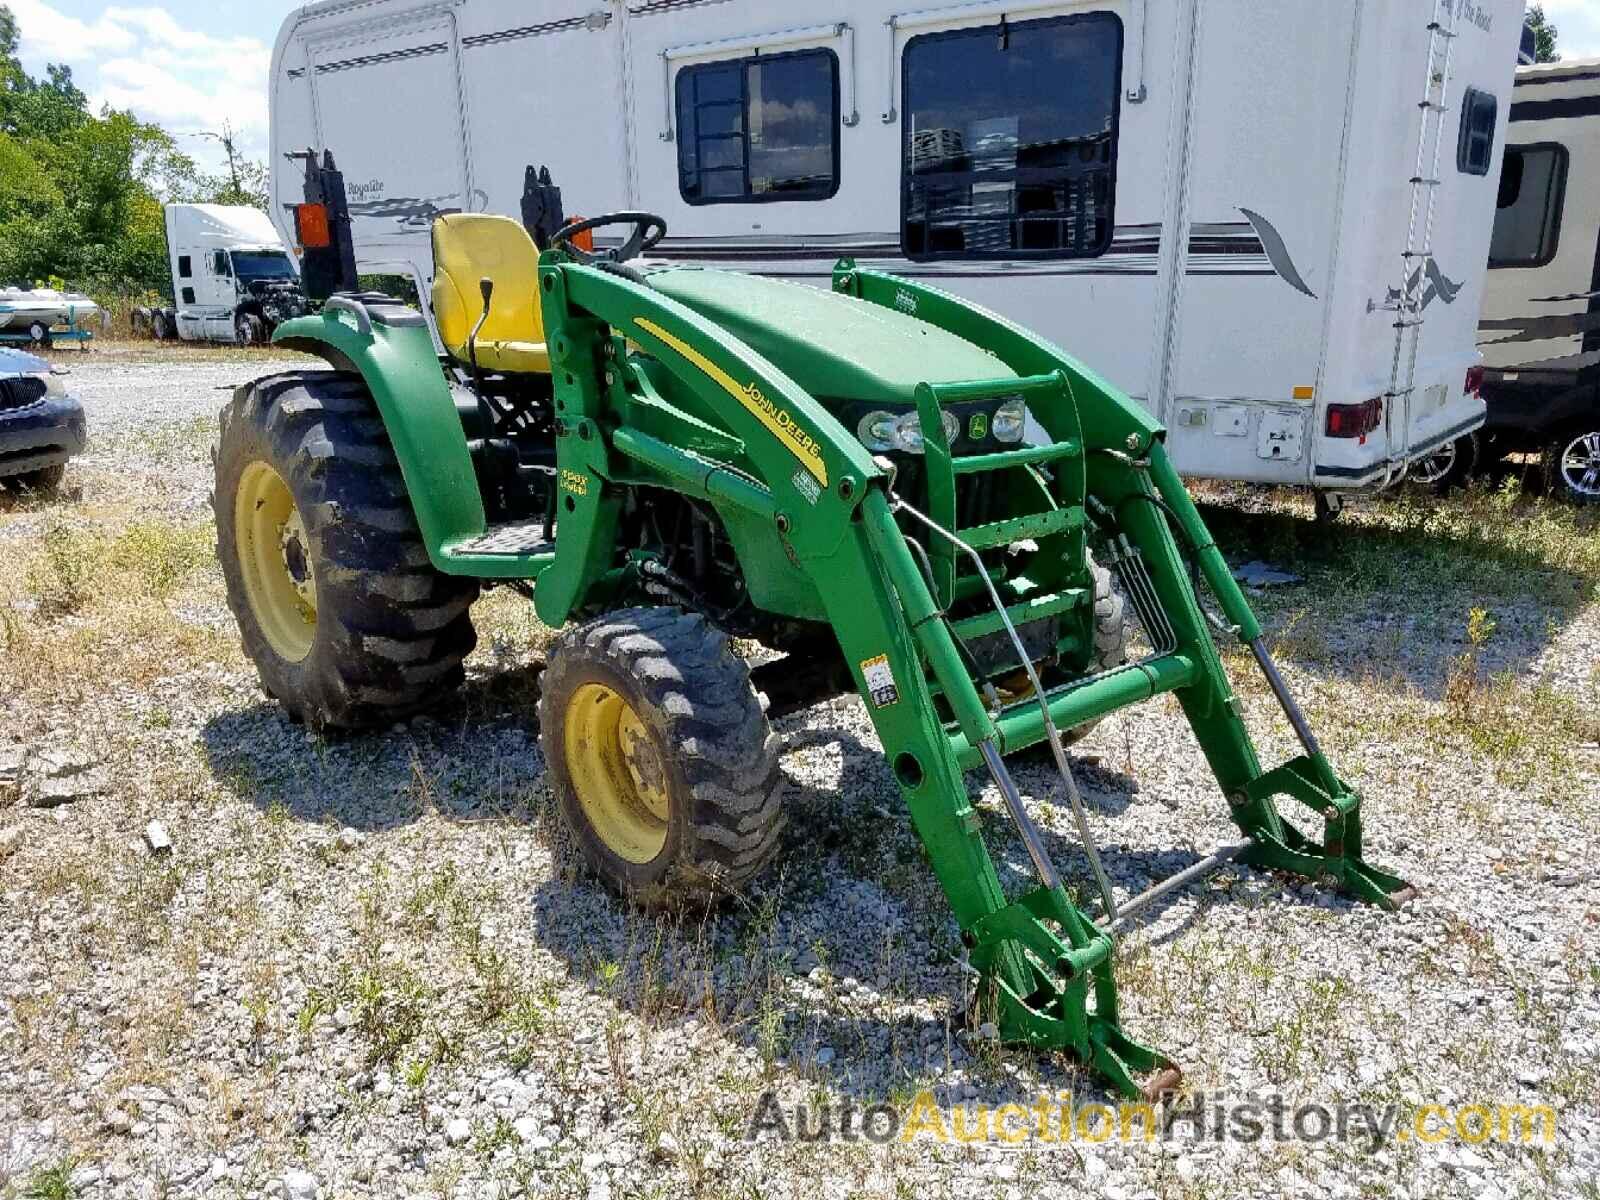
x,y
275,561
617,773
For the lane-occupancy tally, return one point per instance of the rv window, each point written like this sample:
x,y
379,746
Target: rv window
x,y
188,295
1527,223
1475,146
219,264
760,128
185,267
1011,139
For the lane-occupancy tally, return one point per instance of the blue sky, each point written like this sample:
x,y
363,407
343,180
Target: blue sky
x,y
190,65
187,65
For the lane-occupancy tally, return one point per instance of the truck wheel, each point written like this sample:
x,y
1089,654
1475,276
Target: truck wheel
x,y
1448,466
1571,466
338,605
661,757
249,329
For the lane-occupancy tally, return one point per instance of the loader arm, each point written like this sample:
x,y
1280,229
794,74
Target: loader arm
x,y
842,524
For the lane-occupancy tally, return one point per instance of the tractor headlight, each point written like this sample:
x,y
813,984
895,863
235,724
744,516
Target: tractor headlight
x,y
903,432
877,431
1010,421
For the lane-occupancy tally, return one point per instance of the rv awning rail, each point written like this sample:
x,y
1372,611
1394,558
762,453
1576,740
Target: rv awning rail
x,y
1133,41
758,43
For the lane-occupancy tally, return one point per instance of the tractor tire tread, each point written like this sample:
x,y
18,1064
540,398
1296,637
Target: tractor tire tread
x,y
703,707
392,631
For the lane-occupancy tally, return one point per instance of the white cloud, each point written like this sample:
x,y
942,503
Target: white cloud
x,y
60,38
140,58
1577,25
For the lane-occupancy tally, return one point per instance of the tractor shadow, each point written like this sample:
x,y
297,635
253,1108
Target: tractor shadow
x,y
842,962
475,756
1386,595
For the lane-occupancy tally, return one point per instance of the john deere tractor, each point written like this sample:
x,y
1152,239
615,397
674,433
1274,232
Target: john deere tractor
x,y
893,490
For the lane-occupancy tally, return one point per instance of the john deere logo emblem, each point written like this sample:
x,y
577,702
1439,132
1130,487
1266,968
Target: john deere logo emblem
x,y
978,427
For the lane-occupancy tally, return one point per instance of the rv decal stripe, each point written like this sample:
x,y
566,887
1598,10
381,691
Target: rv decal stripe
x,y
1277,252
777,420
1551,110
651,7
1538,329
368,60
601,20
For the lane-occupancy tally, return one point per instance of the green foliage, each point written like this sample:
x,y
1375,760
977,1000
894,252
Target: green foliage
x,y
1544,35
81,193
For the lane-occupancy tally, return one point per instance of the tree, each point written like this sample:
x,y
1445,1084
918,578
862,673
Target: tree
x,y
80,193
1544,35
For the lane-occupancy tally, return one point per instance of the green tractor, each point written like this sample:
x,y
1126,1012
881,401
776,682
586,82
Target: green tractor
x,y
893,490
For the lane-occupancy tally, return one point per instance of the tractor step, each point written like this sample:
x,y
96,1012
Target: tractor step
x,y
1017,529
1035,608
514,539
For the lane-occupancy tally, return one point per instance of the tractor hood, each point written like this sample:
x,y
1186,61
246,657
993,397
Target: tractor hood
x,y
836,347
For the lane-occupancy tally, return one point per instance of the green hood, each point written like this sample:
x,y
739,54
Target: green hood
x,y
836,347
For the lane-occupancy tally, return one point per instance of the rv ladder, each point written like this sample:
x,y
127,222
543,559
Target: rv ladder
x,y
1424,181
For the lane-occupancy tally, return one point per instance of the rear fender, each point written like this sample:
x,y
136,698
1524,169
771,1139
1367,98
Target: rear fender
x,y
397,361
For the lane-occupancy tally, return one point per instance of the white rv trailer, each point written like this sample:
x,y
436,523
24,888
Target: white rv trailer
x,y
1268,221
1540,332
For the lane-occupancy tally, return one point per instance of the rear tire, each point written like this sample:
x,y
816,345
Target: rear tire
x,y
338,605
662,760
1448,467
1571,466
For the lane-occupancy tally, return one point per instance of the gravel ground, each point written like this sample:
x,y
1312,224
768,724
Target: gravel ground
x,y
373,966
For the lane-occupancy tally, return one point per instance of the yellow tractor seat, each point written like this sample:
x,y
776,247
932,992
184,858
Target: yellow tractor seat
x,y
467,247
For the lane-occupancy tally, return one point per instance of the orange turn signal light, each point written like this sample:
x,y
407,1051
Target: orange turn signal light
x,y
311,226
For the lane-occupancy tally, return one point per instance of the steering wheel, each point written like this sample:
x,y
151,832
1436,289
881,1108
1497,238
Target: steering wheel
x,y
648,230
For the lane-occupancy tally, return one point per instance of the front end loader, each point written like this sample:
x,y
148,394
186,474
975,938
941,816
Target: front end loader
x,y
898,493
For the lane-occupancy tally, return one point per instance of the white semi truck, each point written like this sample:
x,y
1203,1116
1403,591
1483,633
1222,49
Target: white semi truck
x,y
232,278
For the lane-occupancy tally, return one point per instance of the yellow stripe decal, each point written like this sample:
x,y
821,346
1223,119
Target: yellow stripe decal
x,y
777,420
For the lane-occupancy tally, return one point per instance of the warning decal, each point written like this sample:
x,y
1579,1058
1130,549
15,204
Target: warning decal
x,y
880,681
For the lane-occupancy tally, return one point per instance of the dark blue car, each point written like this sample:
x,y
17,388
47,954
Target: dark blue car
x,y
41,426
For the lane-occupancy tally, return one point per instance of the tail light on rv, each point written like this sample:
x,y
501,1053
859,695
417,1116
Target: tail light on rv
x,y
1355,420
1475,381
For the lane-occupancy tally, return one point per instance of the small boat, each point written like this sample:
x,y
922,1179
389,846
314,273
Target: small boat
x,y
46,308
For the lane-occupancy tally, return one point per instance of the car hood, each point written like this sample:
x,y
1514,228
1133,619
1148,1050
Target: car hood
x,y
15,362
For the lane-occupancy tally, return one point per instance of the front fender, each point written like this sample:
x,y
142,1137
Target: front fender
x,y
401,370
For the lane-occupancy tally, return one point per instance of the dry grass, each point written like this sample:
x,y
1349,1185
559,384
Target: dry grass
x,y
114,630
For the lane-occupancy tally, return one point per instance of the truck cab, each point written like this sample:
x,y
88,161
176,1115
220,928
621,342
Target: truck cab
x,y
232,278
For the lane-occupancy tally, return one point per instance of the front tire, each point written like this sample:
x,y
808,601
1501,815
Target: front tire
x,y
662,760
1110,640
249,329
46,481
338,605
